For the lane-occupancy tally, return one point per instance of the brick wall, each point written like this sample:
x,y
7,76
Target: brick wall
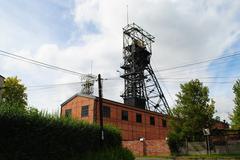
x,y
156,147
76,106
130,129
147,147
135,146
220,125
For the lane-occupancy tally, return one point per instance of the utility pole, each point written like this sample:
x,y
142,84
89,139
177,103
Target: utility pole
x,y
100,106
206,133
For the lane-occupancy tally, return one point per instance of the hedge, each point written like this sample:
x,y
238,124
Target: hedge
x,y
31,135
117,153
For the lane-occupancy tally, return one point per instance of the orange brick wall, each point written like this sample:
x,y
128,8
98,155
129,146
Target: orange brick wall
x,y
155,135
131,130
220,125
154,143
156,147
135,146
147,147
76,106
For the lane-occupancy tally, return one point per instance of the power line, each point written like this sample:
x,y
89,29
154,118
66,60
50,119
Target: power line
x,y
164,86
237,53
217,82
45,65
165,79
179,78
214,77
201,67
197,69
169,94
53,85
53,88
172,69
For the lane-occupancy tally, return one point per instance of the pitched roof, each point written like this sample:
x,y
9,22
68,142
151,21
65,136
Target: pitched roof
x,y
111,101
77,95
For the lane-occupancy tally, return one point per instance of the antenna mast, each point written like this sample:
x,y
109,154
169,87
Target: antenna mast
x,y
127,15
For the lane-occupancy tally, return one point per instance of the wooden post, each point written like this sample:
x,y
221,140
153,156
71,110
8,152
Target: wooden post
x,y
100,106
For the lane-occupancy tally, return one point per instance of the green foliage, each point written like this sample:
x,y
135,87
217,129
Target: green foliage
x,y
235,118
14,92
194,109
193,112
174,142
33,135
117,153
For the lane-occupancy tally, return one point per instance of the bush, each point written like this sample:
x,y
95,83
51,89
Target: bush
x,y
118,153
36,135
174,142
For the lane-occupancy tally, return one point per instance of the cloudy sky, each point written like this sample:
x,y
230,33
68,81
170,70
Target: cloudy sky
x,y
79,34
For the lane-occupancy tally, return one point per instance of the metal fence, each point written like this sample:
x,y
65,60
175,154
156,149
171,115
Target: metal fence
x,y
219,142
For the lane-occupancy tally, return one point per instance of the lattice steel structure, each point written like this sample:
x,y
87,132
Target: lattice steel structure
x,y
87,86
141,87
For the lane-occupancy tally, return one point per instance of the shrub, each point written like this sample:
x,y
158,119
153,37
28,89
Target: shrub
x,y
174,142
117,153
36,135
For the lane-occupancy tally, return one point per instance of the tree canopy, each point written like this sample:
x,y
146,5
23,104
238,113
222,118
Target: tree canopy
x,y
194,108
14,92
235,117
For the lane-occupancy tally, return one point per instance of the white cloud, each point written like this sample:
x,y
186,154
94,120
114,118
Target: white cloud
x,y
185,31
86,14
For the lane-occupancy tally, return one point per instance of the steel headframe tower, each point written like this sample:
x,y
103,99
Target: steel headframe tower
x,y
87,86
142,89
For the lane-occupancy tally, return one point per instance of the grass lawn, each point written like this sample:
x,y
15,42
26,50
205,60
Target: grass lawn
x,y
214,156
227,156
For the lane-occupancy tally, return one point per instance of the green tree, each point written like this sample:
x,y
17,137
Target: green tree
x,y
14,93
235,117
194,107
193,111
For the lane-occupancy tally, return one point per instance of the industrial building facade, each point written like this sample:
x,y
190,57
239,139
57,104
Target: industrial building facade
x,y
143,118
134,123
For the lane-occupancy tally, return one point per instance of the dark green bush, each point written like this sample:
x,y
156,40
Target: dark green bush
x,y
175,142
30,135
117,153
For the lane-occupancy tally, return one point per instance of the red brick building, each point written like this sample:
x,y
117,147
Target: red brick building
x,y
134,123
220,124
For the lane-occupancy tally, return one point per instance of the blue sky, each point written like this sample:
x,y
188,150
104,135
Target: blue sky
x,y
49,21
77,33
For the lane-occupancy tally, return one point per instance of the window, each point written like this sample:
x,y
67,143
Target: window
x,y
138,118
106,111
125,115
152,120
68,113
84,112
164,123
